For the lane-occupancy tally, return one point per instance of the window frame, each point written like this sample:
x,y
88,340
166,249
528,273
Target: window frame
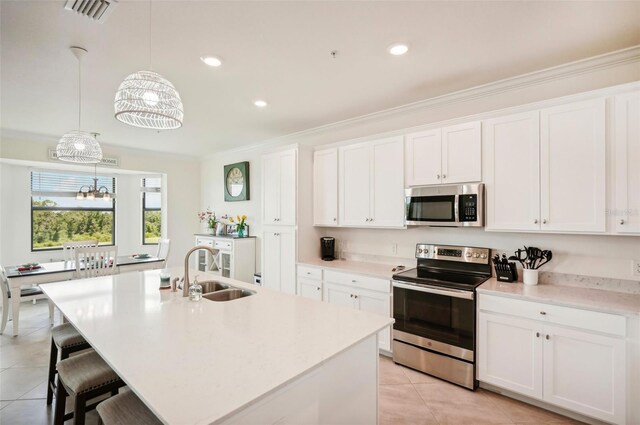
x,y
145,209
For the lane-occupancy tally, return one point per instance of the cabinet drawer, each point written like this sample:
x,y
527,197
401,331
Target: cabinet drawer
x,y
365,282
204,242
567,316
310,272
224,245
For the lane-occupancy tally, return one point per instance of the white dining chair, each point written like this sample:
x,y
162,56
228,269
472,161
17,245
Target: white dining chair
x,y
26,294
69,248
163,249
96,261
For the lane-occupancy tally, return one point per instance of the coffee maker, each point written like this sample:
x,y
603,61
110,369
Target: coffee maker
x,y
328,248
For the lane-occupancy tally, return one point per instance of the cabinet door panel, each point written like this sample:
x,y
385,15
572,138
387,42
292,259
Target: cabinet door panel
x,y
325,187
310,288
387,197
423,155
627,158
271,190
271,260
288,172
355,184
462,153
338,294
512,172
287,260
573,160
510,353
585,372
379,304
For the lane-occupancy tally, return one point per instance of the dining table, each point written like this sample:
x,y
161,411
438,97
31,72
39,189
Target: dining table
x,y
57,271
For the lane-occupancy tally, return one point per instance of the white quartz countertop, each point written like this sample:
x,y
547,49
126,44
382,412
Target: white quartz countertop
x,y
200,362
383,271
570,296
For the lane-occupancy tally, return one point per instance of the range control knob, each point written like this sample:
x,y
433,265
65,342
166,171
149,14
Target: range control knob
x,y
468,254
420,250
483,256
476,255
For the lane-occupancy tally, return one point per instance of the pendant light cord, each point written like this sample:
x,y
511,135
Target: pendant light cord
x,y
150,65
79,93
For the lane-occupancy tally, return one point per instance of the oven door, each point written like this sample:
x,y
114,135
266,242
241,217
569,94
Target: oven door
x,y
435,318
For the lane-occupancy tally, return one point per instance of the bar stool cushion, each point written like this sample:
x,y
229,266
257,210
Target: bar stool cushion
x,y
65,336
85,372
126,409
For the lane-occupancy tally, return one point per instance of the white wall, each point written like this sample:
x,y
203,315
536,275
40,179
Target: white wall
x,y
604,256
183,197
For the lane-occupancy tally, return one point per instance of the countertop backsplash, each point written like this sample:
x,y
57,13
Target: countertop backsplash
x,y
575,280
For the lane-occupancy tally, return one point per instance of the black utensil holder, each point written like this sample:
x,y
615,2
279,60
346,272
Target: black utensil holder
x,y
506,275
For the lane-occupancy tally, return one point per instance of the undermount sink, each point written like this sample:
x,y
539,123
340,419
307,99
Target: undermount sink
x,y
228,294
209,286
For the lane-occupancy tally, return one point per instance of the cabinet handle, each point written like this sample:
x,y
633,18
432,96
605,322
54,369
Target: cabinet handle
x,y
318,288
438,176
537,334
621,221
353,281
544,313
547,337
444,176
350,295
335,219
308,272
544,221
535,221
355,296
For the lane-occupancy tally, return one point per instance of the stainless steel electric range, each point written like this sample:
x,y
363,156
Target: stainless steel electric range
x,y
434,307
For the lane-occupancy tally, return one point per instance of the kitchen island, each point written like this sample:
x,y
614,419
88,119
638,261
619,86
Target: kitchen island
x,y
266,358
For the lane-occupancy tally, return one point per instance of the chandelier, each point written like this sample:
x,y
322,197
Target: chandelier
x,y
92,192
146,99
79,146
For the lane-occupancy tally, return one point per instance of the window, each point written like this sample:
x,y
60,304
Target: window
x,y
151,210
58,217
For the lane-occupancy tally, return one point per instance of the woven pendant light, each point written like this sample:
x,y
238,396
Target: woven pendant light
x,y
146,99
79,146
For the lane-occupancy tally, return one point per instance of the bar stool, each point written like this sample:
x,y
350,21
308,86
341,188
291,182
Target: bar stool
x,y
125,409
66,339
84,377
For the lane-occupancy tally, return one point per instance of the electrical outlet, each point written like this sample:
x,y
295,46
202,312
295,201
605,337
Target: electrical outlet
x,y
636,267
394,249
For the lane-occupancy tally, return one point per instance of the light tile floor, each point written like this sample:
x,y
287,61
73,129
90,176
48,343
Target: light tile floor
x,y
406,396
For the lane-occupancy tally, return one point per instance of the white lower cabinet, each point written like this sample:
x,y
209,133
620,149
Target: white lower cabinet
x,y
361,299
279,268
583,370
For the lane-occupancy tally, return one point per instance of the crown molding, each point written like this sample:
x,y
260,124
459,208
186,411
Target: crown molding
x,y
613,59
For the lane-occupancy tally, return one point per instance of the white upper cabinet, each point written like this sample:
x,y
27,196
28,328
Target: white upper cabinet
x,y
462,153
279,173
444,155
371,184
512,171
626,126
325,187
423,157
573,167
355,184
387,196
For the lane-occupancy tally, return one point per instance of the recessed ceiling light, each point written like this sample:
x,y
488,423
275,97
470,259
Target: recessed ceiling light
x,y
260,103
211,61
398,49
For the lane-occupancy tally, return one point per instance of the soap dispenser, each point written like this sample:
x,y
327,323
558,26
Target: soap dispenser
x,y
195,290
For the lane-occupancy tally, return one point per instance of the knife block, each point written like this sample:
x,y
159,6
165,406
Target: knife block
x,y
504,274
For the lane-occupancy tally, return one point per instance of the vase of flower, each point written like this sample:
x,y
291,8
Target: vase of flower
x,y
241,224
209,217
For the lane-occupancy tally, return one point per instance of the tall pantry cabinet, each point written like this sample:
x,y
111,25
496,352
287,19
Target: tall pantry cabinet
x,y
279,200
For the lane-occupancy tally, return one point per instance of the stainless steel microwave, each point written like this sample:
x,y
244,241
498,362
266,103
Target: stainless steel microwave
x,y
445,206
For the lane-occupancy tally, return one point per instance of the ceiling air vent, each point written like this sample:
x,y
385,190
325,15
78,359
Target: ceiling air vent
x,y
98,10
